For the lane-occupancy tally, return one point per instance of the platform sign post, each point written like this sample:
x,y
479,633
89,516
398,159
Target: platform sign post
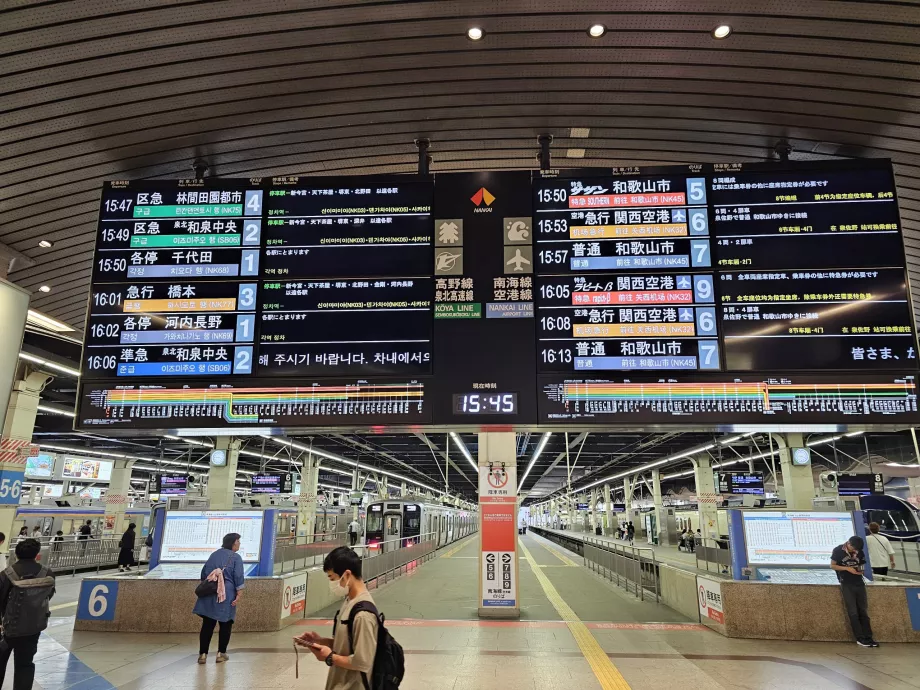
x,y
498,563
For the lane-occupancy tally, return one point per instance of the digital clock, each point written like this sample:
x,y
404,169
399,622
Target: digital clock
x,y
485,403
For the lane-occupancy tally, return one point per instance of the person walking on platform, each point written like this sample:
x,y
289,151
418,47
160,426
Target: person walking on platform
x,y
880,550
631,533
25,589
126,549
353,529
848,561
218,594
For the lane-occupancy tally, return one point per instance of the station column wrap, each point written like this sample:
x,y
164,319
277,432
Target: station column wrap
x,y
306,501
499,595
116,498
608,510
594,520
706,497
798,480
627,497
660,519
222,480
15,445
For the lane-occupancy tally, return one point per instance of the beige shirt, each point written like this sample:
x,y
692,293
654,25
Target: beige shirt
x,y
364,632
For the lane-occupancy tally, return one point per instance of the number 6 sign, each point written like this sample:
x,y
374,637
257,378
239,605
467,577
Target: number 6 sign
x,y
97,600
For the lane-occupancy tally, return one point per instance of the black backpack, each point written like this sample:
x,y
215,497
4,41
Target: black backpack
x,y
27,609
389,661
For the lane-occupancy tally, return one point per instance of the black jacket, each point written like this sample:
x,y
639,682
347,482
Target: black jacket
x,y
127,540
25,568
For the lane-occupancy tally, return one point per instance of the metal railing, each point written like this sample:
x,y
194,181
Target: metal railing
x,y
81,554
906,556
407,555
290,555
713,555
634,568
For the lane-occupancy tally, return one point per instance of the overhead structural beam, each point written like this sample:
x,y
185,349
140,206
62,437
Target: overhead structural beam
x,y
12,260
376,451
463,449
536,455
435,449
559,458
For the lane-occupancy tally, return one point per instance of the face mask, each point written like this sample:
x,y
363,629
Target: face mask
x,y
337,588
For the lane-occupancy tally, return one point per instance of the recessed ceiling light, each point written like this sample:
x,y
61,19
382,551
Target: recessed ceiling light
x,y
575,153
474,33
45,243
579,132
597,30
722,31
45,288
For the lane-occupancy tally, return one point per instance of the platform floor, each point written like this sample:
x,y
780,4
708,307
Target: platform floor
x,y
577,631
664,554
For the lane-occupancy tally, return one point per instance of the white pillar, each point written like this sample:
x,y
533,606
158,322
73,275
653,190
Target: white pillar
x,y
661,527
798,480
608,509
627,497
306,500
116,498
498,554
706,497
222,480
593,506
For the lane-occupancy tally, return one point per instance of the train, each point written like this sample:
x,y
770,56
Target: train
x,y
395,520
53,519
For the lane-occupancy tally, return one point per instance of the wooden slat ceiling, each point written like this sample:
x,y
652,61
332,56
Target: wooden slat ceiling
x,y
94,90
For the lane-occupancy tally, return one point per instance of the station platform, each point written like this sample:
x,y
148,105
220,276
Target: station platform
x,y
576,630
670,555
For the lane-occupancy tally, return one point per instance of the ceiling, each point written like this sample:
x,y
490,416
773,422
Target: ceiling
x,y
95,90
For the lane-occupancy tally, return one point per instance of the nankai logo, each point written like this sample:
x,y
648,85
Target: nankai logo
x,y
481,196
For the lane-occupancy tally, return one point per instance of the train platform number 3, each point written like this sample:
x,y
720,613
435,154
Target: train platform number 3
x,y
97,600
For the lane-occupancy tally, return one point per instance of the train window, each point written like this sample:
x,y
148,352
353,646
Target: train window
x,y
374,522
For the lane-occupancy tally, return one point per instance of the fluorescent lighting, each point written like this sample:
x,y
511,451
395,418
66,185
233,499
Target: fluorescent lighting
x,y
474,33
45,289
536,455
463,449
51,365
56,410
854,433
722,31
45,244
579,132
574,153
597,30
36,318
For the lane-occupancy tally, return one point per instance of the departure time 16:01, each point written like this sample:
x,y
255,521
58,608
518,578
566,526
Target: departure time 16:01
x,y
485,403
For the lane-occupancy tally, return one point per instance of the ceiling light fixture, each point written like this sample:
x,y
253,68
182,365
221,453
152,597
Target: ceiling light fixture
x,y
45,244
47,363
533,460
36,318
45,288
597,30
722,31
463,449
474,33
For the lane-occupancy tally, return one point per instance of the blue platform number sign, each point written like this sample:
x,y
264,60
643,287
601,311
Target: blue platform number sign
x,y
913,605
97,600
11,485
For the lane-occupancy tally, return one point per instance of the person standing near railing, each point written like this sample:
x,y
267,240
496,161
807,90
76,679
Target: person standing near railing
x,y
126,549
880,550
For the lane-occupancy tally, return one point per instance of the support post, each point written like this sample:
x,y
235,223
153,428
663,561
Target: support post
x,y
424,159
499,595
661,526
306,501
545,140
222,480
798,480
608,510
116,498
706,497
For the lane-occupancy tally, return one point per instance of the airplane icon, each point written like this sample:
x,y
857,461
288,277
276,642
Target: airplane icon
x,y
686,315
518,261
683,282
679,215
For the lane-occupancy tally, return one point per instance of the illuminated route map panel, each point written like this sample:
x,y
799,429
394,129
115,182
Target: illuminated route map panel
x,y
710,294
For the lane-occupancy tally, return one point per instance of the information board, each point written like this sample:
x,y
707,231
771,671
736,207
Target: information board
x,y
85,469
270,483
860,484
740,483
794,538
713,294
193,535
171,484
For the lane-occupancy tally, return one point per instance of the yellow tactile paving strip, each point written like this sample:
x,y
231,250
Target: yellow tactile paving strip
x,y
454,550
558,554
607,674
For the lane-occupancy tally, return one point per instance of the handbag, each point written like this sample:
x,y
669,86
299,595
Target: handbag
x,y
208,588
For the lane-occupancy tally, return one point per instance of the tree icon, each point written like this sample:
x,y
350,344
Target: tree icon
x,y
448,233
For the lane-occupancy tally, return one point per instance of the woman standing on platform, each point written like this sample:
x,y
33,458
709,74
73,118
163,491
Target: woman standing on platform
x,y
225,570
126,549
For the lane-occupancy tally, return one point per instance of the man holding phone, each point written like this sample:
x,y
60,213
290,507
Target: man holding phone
x,y
848,561
348,664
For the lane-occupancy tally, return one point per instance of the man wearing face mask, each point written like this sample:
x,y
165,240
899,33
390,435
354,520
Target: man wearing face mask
x,y
347,661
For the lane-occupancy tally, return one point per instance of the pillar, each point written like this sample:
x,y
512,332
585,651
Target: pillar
x,y
16,442
706,497
593,506
116,498
661,521
499,595
798,480
627,497
608,510
402,490
306,500
222,480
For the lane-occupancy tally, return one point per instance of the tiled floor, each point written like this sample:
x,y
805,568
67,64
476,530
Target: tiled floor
x,y
433,616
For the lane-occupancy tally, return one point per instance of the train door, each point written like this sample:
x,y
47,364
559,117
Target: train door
x,y
393,526
412,523
450,527
373,527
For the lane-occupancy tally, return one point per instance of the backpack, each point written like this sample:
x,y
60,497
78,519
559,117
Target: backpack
x,y
27,609
389,661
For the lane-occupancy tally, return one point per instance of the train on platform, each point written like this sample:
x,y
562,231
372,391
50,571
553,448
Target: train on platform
x,y
67,519
396,521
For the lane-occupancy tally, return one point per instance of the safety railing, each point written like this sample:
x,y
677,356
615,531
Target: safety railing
x,y
633,568
906,556
291,555
713,555
410,552
81,554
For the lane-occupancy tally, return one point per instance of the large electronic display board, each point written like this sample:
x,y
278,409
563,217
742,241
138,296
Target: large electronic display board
x,y
190,536
712,294
776,537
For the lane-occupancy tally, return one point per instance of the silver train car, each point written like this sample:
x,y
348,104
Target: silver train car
x,y
396,521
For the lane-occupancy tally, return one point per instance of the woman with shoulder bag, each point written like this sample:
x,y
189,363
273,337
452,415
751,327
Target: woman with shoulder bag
x,y
126,549
218,594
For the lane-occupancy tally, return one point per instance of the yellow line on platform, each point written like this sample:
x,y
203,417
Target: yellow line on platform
x,y
456,549
607,674
561,556
63,606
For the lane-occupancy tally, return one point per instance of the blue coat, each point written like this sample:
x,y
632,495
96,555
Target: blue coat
x,y
232,564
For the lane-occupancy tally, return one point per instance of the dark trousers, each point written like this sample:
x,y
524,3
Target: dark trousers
x,y
880,571
857,605
353,536
207,630
23,648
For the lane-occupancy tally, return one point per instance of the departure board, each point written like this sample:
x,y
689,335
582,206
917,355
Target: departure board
x,y
694,294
